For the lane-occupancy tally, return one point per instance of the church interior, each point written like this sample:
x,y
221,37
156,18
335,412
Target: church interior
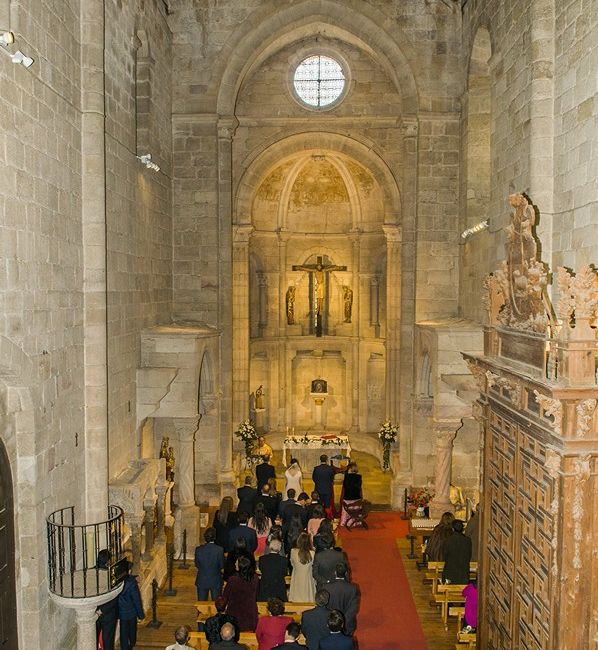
x,y
315,216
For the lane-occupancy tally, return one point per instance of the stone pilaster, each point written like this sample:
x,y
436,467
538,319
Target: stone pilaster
x,y
148,527
135,522
187,512
161,492
445,435
393,321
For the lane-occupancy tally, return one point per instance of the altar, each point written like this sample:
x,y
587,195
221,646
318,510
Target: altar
x,y
308,448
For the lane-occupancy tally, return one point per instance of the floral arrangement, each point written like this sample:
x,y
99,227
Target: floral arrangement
x,y
387,435
247,433
305,440
419,497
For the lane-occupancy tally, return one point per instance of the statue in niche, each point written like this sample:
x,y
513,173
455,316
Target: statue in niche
x,y
170,464
348,302
259,398
164,447
291,305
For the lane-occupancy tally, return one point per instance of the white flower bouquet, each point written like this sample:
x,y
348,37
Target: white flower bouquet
x,y
387,435
247,433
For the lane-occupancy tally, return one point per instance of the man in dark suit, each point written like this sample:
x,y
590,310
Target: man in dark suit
x,y
107,612
336,640
209,560
323,478
243,530
247,495
295,508
344,596
282,506
270,503
264,471
314,622
315,500
324,566
273,568
290,638
457,556
228,642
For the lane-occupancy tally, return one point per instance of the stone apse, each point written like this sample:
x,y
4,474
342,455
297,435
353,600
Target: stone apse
x,y
311,267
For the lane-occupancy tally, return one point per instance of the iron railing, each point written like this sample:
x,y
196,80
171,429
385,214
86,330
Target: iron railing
x,y
73,567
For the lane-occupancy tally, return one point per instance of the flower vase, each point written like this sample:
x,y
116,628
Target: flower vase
x,y
420,512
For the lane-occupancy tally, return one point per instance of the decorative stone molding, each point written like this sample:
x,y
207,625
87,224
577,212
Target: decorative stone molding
x,y
409,128
522,277
585,412
227,127
478,374
578,294
241,233
552,407
514,388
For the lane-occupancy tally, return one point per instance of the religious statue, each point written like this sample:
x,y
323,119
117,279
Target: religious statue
x,y
319,269
170,464
348,302
291,305
259,398
164,447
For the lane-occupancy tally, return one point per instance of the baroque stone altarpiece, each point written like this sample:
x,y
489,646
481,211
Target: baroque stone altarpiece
x,y
537,412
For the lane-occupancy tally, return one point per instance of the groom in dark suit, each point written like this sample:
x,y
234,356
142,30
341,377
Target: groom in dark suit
x,y
209,560
323,478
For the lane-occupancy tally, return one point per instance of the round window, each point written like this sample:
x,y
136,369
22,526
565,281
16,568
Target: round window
x,y
319,81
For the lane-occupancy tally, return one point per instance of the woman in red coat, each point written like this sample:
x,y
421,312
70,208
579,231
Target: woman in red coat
x,y
241,595
270,629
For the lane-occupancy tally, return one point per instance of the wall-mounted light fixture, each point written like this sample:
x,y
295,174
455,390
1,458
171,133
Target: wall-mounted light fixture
x,y
466,234
6,38
146,159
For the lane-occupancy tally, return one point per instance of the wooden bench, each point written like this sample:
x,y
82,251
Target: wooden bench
x,y
206,608
449,594
466,640
198,640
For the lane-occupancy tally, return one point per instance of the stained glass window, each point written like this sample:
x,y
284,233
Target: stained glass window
x,y
319,81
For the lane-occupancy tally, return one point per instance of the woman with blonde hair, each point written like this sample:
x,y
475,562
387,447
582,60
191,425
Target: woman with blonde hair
x,y
303,586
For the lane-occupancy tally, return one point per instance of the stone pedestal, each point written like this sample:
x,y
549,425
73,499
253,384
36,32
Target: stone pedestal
x,y
319,399
260,419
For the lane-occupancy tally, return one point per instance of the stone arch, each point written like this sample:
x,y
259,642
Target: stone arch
x,y
260,163
17,435
364,26
8,583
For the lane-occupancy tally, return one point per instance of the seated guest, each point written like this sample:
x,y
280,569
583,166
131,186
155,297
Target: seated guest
x,y
225,519
317,517
336,640
246,495
271,629
457,556
351,491
270,504
273,568
441,532
314,622
181,636
470,616
209,561
290,638
230,564
214,624
241,595
303,586
228,640
344,596
325,562
315,501
243,531
261,523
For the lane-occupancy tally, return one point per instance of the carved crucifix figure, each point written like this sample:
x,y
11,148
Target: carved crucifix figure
x,y
319,269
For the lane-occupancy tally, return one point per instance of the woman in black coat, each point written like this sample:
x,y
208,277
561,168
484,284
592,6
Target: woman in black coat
x,y
351,490
225,519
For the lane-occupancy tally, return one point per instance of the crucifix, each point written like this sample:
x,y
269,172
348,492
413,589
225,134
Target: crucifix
x,y
317,272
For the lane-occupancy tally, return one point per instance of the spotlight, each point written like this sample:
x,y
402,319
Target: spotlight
x,y
146,159
19,58
6,38
474,229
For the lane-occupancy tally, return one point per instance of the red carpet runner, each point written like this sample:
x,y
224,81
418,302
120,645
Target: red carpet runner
x,y
387,618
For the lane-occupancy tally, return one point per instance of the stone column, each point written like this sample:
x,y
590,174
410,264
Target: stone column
x,y
240,376
93,212
161,491
135,522
357,388
393,320
282,418
187,512
148,526
445,434
227,126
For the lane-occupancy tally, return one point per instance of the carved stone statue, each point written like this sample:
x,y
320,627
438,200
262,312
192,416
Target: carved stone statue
x,y
259,398
164,447
348,302
291,304
170,464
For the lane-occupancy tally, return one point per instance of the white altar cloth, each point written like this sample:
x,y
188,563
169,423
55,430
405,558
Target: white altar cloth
x,y
308,448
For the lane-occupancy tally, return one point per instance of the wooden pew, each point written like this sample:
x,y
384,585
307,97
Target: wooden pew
x,y
206,608
449,594
198,641
466,640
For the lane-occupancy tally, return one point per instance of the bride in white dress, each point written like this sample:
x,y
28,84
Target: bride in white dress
x,y
292,478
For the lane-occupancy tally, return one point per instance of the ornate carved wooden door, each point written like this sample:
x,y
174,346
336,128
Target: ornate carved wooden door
x,y
8,603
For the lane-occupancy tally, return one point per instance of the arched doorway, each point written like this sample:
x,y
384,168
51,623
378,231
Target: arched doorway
x,y
8,602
